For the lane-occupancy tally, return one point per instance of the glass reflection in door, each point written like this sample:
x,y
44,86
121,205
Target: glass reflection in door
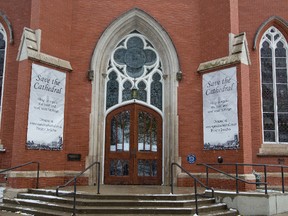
x,y
120,132
147,132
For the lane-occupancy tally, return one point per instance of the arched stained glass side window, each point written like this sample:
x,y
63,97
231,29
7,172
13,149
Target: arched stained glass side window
x,y
3,43
274,79
156,93
112,90
135,65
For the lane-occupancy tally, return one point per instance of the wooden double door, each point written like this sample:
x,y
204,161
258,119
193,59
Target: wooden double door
x,y
133,146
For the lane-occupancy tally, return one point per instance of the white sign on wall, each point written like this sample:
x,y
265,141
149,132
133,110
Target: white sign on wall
x,y
220,113
46,109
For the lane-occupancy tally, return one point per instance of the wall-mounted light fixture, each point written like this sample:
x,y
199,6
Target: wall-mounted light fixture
x,y
179,75
2,149
220,159
134,93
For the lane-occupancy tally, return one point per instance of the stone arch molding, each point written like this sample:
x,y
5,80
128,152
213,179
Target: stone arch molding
x,y
134,19
9,26
278,22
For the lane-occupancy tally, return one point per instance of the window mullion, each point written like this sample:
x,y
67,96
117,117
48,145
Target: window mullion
x,y
275,92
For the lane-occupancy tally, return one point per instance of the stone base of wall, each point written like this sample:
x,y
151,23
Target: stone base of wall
x,y
253,203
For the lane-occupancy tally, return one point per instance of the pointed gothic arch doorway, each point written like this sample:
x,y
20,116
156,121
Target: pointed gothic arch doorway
x,y
128,25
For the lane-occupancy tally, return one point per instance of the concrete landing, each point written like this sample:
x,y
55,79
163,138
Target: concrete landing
x,y
254,203
133,189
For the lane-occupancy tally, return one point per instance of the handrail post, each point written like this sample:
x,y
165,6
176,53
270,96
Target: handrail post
x,y
207,176
195,184
282,176
37,181
98,182
265,178
74,199
75,180
22,165
196,199
172,177
237,186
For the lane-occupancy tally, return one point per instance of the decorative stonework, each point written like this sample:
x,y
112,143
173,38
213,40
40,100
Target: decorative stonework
x,y
10,29
135,56
274,19
134,65
217,63
238,54
30,49
126,24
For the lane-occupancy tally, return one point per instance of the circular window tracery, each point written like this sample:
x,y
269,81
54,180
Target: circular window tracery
x,y
135,56
135,61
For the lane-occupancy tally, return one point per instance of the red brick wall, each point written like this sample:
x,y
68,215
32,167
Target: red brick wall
x,y
250,21
18,13
218,184
54,18
244,111
43,182
199,30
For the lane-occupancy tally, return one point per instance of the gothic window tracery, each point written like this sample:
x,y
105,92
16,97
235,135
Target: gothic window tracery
x,y
135,64
274,73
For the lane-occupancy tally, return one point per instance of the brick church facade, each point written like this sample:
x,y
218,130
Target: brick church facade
x,y
138,85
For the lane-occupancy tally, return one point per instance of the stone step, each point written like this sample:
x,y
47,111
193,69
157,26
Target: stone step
x,y
44,202
112,209
111,196
43,212
114,201
30,210
65,210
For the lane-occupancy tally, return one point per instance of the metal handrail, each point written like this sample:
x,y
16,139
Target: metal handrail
x,y
239,179
195,184
25,164
75,179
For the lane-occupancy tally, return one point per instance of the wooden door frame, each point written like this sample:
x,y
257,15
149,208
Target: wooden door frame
x,y
133,177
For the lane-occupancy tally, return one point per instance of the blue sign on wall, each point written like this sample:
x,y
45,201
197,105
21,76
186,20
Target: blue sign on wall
x,y
191,158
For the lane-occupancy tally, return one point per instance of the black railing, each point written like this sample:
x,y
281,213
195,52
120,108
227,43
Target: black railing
x,y
74,179
195,184
236,177
22,165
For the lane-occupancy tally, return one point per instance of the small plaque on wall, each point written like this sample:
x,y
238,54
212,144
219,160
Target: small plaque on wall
x,y
74,157
191,158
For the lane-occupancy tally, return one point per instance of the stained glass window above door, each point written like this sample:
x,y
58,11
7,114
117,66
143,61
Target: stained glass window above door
x,y
134,73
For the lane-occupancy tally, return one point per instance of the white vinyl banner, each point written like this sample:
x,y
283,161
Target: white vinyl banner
x,y
220,111
46,109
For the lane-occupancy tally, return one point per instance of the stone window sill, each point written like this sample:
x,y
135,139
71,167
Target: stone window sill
x,y
276,150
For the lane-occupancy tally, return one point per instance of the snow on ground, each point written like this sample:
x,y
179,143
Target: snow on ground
x,y
1,193
5,213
